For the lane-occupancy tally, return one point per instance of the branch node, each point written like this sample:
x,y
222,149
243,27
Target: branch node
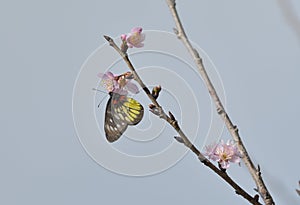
x,y
220,167
154,110
124,47
220,110
238,192
155,91
176,32
258,171
107,38
256,197
174,124
197,54
171,116
258,168
235,128
171,3
179,139
202,158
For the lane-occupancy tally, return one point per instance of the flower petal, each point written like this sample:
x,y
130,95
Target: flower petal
x,y
135,38
131,87
224,164
110,75
100,75
139,45
136,30
120,91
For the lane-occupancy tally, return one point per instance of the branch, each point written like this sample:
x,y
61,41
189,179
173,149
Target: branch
x,y
297,190
158,110
255,173
290,15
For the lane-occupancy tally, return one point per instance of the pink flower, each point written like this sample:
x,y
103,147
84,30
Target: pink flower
x,y
135,38
108,81
210,151
223,153
118,84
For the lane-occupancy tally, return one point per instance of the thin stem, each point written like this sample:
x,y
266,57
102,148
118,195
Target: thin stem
x,y
255,173
173,122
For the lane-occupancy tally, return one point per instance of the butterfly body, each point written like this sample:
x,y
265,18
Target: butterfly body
x,y
120,112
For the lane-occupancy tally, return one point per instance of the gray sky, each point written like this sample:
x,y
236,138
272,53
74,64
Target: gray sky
x,y
43,46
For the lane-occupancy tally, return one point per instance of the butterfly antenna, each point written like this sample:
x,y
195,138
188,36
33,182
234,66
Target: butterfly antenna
x,y
101,91
100,102
95,89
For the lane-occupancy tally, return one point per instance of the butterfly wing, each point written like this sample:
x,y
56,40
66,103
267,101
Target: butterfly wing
x,y
127,109
113,127
121,111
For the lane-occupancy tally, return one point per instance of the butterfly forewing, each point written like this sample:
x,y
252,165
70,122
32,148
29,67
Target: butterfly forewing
x,y
113,128
121,111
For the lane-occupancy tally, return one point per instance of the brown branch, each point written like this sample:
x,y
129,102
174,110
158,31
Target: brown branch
x,y
290,15
183,138
256,174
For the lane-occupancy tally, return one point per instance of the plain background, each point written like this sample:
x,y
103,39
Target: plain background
x,y
43,45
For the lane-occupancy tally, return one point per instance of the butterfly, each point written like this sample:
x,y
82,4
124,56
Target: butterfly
x,y
121,110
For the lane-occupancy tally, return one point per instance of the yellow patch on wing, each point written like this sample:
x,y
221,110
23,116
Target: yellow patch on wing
x,y
132,114
133,104
135,111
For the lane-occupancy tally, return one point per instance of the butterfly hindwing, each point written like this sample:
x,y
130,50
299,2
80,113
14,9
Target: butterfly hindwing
x,y
120,112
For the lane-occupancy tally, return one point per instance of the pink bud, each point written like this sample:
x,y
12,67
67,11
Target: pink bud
x,y
123,37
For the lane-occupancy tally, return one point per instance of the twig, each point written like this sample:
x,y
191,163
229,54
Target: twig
x,y
297,190
256,174
173,122
290,15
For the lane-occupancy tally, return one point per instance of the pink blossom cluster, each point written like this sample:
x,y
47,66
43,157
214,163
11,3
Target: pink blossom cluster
x,y
223,153
117,84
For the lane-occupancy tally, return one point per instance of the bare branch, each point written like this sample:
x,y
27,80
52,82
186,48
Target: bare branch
x,y
256,175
